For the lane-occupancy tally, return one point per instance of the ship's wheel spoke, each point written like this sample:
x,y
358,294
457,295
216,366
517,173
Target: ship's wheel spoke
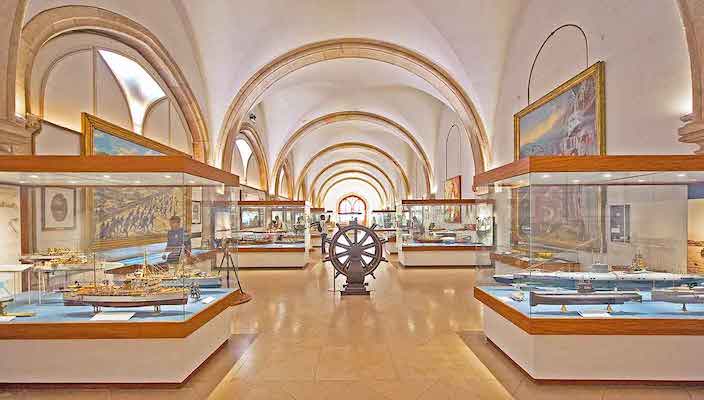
x,y
349,242
346,264
368,254
344,253
368,246
344,246
364,239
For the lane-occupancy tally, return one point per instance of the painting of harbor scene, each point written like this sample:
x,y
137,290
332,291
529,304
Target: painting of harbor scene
x,y
105,144
557,216
568,121
127,216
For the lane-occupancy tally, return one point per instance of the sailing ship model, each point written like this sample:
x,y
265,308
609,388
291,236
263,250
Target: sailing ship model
x,y
147,291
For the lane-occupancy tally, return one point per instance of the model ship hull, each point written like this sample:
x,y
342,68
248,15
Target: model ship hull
x,y
127,301
559,299
602,280
207,282
679,296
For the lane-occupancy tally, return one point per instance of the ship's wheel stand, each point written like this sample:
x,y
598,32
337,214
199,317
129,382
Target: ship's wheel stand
x,y
355,251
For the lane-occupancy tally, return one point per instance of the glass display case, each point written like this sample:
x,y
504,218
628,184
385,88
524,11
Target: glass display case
x,y
446,232
565,238
85,240
615,240
273,233
386,227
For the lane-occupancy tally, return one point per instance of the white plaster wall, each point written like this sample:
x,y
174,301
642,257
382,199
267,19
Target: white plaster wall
x,y
111,104
453,155
56,140
252,176
162,18
695,226
648,80
69,90
156,122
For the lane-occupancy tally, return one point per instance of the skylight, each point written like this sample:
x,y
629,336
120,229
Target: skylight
x,y
140,88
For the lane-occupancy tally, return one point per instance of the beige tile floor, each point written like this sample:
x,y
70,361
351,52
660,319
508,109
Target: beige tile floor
x,y
418,336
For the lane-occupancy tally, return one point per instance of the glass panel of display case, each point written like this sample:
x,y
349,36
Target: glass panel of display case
x,y
385,221
447,223
273,224
604,244
132,247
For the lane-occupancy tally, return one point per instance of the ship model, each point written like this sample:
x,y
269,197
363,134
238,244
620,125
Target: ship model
x,y
640,279
680,295
182,276
144,292
6,297
564,299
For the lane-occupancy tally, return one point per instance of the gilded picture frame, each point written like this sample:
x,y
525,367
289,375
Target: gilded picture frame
x,y
569,120
101,137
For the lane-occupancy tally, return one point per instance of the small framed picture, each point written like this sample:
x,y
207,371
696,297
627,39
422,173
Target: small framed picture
x,y
195,212
58,208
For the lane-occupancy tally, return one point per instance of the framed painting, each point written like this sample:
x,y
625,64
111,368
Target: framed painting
x,y
567,217
195,212
145,219
58,208
453,190
251,217
568,121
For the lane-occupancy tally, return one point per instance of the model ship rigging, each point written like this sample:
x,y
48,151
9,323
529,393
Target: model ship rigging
x,y
147,291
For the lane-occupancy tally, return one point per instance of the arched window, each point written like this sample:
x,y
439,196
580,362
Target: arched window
x,y
351,207
140,89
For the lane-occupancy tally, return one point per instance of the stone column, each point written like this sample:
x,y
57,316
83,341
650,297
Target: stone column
x,y
15,136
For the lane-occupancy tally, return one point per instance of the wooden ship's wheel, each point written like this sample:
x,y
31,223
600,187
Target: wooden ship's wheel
x,y
355,251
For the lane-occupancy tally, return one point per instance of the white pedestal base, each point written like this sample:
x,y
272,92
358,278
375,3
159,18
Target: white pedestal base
x,y
112,360
272,259
444,258
598,357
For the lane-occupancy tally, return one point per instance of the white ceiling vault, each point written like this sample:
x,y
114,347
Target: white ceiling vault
x,y
221,44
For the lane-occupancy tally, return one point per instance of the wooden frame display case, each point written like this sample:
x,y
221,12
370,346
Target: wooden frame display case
x,y
446,233
386,228
280,238
571,300
78,290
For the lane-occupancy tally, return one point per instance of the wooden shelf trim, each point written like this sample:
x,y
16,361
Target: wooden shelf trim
x,y
246,203
548,266
121,330
595,326
625,163
450,202
271,250
116,165
446,248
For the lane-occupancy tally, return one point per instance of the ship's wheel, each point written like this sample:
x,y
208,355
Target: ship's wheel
x,y
355,251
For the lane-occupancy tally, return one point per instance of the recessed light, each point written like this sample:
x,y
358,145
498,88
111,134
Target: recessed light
x,y
106,176
22,182
607,175
641,180
73,182
575,181
191,182
681,175
167,176
34,176
546,176
138,182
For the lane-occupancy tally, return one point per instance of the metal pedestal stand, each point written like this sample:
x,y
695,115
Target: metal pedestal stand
x,y
229,264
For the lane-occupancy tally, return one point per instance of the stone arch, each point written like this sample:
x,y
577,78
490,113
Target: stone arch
x,y
317,199
250,133
359,48
56,21
286,168
351,145
344,116
351,162
383,201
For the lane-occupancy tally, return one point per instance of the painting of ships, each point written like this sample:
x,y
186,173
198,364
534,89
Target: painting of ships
x,y
601,280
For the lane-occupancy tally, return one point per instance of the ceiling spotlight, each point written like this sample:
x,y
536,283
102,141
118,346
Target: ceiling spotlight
x,y
21,182
681,175
106,176
607,175
34,176
167,176
575,181
137,182
73,182
641,180
546,176
191,182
